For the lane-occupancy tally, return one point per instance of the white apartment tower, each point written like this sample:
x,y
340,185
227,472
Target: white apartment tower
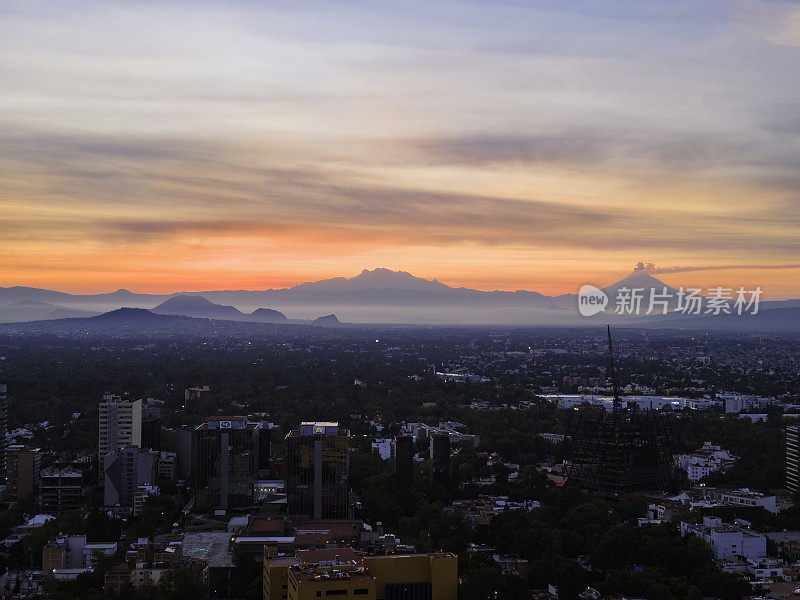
x,y
120,424
793,458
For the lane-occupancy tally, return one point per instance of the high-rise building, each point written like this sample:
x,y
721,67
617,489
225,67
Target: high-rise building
x,y
184,438
317,470
793,458
151,427
124,471
22,471
3,425
404,459
264,449
225,460
440,456
120,424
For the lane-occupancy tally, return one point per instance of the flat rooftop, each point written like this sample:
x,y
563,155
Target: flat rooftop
x,y
210,547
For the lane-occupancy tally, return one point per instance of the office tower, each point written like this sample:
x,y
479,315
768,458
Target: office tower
x,y
3,425
264,449
120,424
124,471
317,466
225,453
151,427
792,457
404,458
183,443
440,457
22,471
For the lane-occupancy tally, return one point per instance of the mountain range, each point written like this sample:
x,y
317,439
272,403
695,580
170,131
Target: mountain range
x,y
379,295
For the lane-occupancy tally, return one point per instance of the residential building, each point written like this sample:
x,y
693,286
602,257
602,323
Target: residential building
x,y
167,465
745,497
384,448
793,458
124,471
117,578
3,429
706,460
736,403
148,573
727,540
120,424
23,466
317,471
421,431
197,393
73,552
67,488
140,496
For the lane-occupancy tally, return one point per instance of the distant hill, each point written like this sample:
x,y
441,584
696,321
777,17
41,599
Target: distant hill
x,y
70,313
384,287
37,310
129,315
377,295
188,305
137,323
267,315
327,321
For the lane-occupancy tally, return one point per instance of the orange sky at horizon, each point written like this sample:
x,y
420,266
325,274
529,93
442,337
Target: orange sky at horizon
x,y
540,146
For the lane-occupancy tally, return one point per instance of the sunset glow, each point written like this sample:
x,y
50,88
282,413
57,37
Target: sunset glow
x,y
182,146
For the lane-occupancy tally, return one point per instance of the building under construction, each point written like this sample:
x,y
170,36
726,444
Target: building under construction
x,y
625,450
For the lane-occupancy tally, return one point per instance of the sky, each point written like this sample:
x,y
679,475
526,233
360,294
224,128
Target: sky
x,y
163,146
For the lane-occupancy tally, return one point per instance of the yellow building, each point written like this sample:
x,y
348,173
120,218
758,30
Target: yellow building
x,y
309,582
345,575
275,581
411,575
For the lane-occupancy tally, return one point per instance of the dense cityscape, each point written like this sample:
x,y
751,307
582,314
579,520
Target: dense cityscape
x,y
394,462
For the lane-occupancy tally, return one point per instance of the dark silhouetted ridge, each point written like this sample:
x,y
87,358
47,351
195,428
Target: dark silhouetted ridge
x,y
267,315
327,320
197,306
132,315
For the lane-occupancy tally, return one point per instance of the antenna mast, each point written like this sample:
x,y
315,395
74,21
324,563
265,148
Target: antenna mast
x,y
613,371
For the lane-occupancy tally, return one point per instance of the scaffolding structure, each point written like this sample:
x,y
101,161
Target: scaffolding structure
x,y
625,450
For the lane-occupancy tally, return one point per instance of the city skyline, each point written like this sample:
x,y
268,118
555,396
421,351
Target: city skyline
x,y
169,146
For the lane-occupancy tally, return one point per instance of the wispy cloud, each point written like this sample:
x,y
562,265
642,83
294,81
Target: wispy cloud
x,y
231,136
654,270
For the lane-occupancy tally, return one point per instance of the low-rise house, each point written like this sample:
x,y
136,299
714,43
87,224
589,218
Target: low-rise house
x,y
727,540
706,460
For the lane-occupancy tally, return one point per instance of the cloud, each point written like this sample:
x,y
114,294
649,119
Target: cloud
x,y
423,129
775,20
653,269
